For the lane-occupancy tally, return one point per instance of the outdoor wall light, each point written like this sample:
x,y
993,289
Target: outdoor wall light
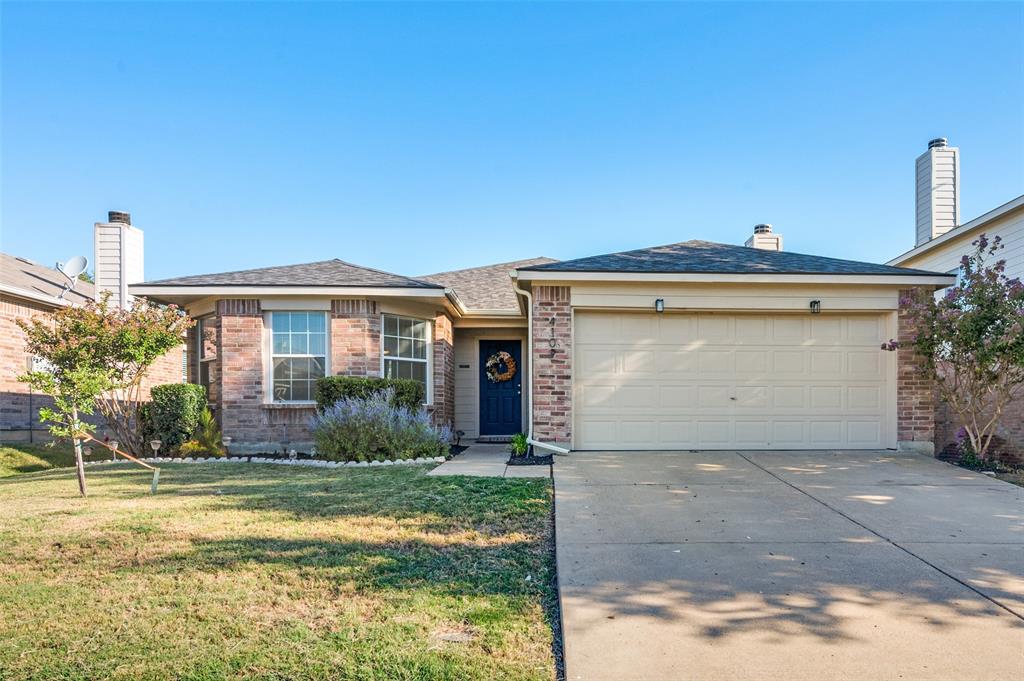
x,y
815,306
659,305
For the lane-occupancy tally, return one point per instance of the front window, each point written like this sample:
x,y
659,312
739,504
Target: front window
x,y
406,341
299,355
205,351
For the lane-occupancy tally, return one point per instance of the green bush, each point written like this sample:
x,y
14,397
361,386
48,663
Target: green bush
x,y
332,389
173,414
207,440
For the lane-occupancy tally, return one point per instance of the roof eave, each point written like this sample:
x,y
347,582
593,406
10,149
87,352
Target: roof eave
x,y
34,296
936,279
960,231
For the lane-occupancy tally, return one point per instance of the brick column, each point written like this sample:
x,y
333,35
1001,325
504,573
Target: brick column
x,y
355,338
444,371
915,393
239,381
552,364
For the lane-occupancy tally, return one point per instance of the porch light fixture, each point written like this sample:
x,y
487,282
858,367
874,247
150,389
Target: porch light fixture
x,y
815,306
659,305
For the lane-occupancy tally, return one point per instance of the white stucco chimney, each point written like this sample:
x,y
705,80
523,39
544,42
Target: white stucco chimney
x,y
764,239
117,256
938,190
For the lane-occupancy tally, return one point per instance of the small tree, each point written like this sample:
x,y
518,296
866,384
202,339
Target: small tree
x,y
72,381
98,356
972,342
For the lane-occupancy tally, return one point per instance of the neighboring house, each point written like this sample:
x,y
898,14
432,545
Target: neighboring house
x,y
694,345
29,290
941,241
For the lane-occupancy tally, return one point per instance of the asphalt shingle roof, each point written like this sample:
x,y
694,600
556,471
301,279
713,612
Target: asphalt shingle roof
x,y
324,273
707,257
30,276
485,288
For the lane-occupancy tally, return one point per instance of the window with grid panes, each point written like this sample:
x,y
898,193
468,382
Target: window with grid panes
x,y
406,343
299,354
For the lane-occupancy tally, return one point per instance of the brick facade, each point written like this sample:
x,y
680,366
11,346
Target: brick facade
x,y
237,390
444,371
552,364
915,393
355,338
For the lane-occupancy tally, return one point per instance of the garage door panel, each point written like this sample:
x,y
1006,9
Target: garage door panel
x,y
826,363
789,362
676,362
826,397
638,362
716,362
865,365
678,397
646,381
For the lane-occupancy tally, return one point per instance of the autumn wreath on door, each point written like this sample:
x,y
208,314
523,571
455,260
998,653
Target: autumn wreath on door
x,y
493,367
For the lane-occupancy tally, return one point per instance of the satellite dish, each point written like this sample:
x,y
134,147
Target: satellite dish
x,y
71,269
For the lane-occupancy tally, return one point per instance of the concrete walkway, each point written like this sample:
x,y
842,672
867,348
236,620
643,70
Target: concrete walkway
x,y
488,460
780,565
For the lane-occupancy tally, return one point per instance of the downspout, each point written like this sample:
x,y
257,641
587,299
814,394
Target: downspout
x,y
529,379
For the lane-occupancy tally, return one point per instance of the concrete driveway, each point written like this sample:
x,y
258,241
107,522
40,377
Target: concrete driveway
x,y
787,565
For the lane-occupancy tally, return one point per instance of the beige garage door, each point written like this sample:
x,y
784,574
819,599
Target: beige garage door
x,y
723,381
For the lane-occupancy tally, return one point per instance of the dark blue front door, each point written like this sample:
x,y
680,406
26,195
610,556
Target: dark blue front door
x,y
501,387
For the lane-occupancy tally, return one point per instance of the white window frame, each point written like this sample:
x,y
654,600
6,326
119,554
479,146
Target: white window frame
x,y
429,361
268,353
201,357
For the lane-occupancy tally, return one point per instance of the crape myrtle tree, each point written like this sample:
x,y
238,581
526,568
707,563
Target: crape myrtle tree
x,y
972,342
95,357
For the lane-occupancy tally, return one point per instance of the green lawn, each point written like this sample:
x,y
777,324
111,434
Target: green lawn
x,y
264,572
28,458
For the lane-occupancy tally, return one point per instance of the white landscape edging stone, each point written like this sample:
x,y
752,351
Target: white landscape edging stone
x,y
312,463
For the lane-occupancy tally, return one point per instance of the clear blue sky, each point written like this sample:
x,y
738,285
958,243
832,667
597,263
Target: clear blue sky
x,y
418,138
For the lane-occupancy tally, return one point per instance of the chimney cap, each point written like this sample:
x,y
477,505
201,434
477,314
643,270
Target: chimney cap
x,y
118,216
762,228
938,142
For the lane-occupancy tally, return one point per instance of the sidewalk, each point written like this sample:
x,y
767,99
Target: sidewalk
x,y
488,461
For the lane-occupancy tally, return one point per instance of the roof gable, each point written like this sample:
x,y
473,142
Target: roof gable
x,y
706,257
330,273
488,287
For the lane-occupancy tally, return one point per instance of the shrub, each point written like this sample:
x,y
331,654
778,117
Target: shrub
x,y
174,412
519,445
374,428
207,440
331,389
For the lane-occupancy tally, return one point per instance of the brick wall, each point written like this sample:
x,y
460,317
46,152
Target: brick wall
x,y
915,393
552,364
239,384
19,407
1008,445
355,338
444,371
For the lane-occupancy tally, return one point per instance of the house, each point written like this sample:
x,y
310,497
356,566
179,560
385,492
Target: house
x,y
941,240
28,290
693,345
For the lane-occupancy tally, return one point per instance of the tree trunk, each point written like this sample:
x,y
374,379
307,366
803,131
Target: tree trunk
x,y
79,463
